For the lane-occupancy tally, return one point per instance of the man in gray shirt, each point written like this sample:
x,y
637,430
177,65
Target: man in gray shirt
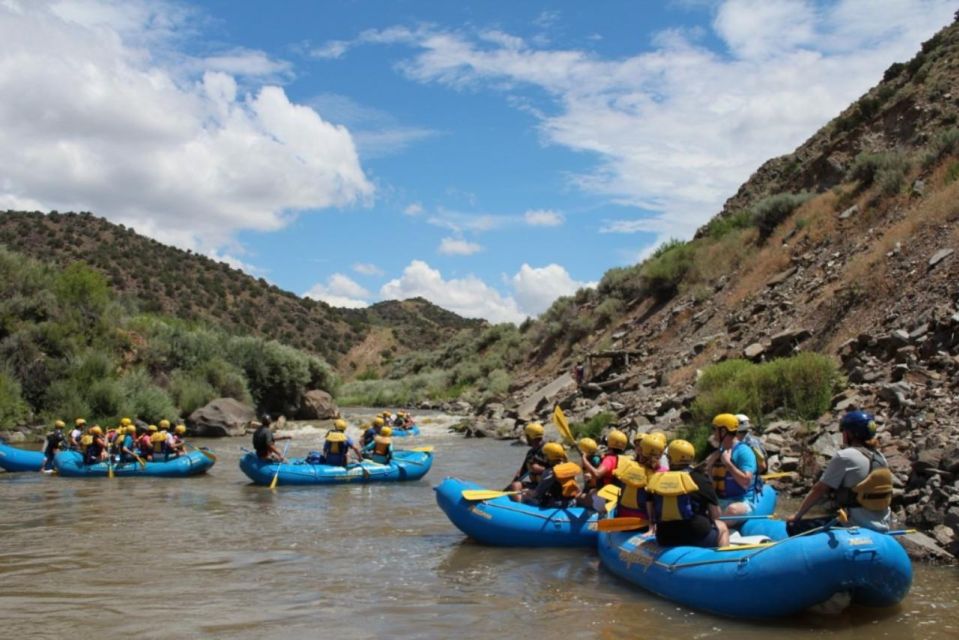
x,y
848,468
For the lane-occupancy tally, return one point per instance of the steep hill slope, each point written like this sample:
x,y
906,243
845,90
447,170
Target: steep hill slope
x,y
183,284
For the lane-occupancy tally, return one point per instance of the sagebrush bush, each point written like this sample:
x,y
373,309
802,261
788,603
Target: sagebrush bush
x,y
13,410
593,427
664,271
943,144
887,168
769,212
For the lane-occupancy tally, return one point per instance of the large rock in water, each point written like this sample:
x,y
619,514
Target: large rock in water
x,y
317,405
221,418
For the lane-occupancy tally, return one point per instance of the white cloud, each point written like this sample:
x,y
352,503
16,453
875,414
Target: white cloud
x,y
536,289
367,269
458,247
543,218
469,297
130,131
678,128
413,209
340,291
376,133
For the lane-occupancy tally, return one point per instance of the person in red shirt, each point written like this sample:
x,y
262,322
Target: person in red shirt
x,y
615,446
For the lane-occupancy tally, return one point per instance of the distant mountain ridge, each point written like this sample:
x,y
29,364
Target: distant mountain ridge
x,y
187,285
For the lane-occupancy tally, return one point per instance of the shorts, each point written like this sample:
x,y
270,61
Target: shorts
x,y
725,502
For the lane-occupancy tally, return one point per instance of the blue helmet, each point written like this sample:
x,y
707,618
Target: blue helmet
x,y
860,424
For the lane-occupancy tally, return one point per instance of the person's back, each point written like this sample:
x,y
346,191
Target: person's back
x,y
262,441
844,472
335,449
686,508
381,449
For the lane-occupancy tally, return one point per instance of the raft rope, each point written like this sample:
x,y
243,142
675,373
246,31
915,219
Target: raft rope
x,y
528,513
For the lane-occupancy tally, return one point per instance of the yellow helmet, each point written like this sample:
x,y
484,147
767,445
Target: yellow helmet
x,y
152,427
378,421
588,446
96,430
164,424
616,439
653,445
339,424
726,421
79,422
680,452
554,451
131,429
534,430
59,424
386,432
180,429
126,422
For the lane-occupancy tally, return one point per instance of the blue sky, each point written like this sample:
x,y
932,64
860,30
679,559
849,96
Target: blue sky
x,y
488,156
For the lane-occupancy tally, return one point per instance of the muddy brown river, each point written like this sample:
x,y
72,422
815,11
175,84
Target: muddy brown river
x,y
216,557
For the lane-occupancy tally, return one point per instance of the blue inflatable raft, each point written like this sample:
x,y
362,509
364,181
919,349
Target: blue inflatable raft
x,y
399,432
502,522
14,459
70,465
406,465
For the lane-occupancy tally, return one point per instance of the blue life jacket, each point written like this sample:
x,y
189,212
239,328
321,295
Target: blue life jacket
x,y
314,457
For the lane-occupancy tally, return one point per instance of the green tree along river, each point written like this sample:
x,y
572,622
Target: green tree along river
x,y
216,557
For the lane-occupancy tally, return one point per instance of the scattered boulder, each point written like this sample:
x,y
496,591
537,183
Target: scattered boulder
x,y
317,405
220,418
939,256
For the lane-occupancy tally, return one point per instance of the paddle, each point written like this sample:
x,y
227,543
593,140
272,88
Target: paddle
x,y
778,474
622,524
209,454
143,463
276,476
423,449
559,419
485,494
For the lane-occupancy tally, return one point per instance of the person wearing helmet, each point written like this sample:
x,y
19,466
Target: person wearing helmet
x,y
734,468
534,463
651,452
602,474
372,431
589,452
264,440
857,477
96,451
53,443
73,439
145,442
684,505
127,443
338,445
381,449
557,486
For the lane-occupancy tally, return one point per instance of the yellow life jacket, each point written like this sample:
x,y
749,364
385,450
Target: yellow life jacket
x,y
632,476
875,490
673,487
565,474
337,442
381,446
85,441
158,439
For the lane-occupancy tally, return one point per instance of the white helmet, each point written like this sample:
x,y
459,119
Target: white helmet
x,y
743,421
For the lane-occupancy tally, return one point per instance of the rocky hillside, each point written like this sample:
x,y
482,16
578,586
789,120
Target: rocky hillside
x,y
848,247
183,284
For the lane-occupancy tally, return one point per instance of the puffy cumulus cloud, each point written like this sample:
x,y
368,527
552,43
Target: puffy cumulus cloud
x,y
679,127
367,269
458,247
469,297
536,289
100,112
543,218
340,291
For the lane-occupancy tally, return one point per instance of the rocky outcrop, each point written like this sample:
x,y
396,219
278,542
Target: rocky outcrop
x,y
317,405
220,418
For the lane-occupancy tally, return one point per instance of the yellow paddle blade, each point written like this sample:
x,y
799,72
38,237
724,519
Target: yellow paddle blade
x,y
559,419
622,524
611,505
423,449
273,482
741,547
485,494
779,474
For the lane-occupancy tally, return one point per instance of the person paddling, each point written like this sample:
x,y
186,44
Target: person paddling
x,y
381,449
534,464
372,431
557,487
264,441
337,447
54,442
73,440
96,450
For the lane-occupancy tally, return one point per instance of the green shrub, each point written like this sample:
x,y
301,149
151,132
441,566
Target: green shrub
x,y
721,226
665,269
945,143
189,391
593,427
624,283
769,212
888,169
13,410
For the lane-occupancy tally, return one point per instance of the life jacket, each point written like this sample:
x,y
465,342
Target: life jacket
x,y
632,479
534,456
673,496
565,474
158,439
335,448
145,444
368,437
92,453
725,486
85,441
610,478
874,492
381,446
54,441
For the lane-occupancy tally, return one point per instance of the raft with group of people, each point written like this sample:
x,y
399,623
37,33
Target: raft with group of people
x,y
124,450
704,534
372,459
